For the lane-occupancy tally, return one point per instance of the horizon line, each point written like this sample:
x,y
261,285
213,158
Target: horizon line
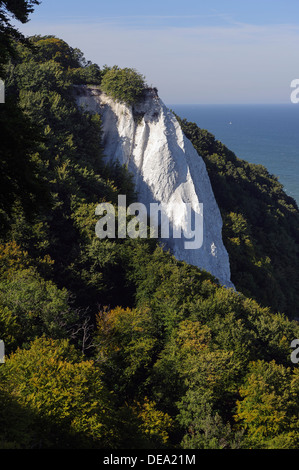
x,y
229,104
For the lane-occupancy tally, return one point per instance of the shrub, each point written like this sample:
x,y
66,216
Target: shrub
x,y
125,85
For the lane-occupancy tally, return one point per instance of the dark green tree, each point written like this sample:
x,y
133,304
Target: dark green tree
x,y
261,223
126,85
12,9
19,136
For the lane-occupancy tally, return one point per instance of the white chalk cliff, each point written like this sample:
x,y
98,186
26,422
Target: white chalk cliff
x,y
166,168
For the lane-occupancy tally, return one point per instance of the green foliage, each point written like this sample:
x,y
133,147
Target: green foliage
x,y
68,161
154,423
124,85
38,305
261,224
18,171
115,343
63,393
50,48
192,350
209,432
10,330
19,10
125,341
30,306
268,408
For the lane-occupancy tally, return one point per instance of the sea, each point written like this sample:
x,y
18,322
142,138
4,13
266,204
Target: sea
x,y
262,134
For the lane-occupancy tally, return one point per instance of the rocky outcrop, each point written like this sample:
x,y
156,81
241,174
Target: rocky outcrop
x,y
167,170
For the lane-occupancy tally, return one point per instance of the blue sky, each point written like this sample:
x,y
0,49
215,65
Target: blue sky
x,y
193,51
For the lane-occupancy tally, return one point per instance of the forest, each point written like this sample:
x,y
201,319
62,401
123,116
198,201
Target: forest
x,y
114,344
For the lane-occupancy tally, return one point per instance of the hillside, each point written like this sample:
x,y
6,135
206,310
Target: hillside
x,y
166,170
115,343
261,224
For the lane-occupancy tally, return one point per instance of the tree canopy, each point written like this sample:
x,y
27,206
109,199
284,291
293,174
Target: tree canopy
x,y
115,343
260,224
10,9
126,85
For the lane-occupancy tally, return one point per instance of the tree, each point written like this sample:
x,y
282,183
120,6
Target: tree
x,y
38,305
68,401
268,408
19,10
17,170
253,203
154,424
126,344
126,85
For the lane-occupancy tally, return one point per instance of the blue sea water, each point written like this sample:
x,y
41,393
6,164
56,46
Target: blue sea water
x,y
263,134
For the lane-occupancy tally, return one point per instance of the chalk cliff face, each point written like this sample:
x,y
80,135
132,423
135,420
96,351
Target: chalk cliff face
x,y
167,170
